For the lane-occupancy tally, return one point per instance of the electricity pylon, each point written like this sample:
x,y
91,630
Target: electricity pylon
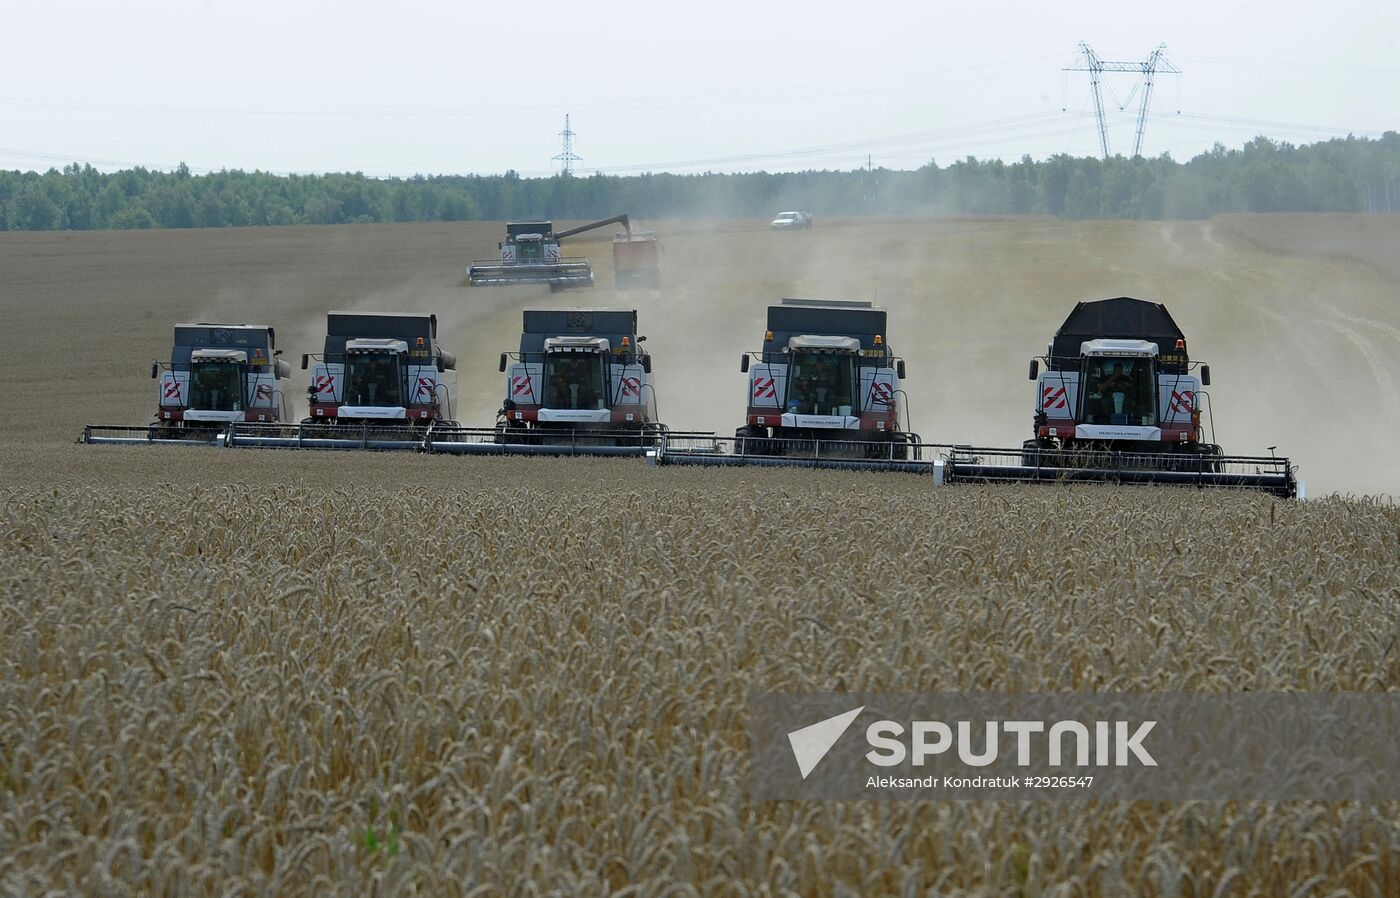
x,y
1146,71
566,159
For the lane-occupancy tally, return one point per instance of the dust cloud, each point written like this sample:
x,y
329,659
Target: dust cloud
x,y
1297,338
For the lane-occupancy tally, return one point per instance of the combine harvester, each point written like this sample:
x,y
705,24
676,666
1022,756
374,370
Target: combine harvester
x,y
580,385
1120,401
382,382
823,393
218,375
530,254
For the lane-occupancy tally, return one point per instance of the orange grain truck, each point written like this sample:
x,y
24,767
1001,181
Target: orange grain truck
x,y
637,261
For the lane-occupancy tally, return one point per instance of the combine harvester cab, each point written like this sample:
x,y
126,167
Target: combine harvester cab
x,y
579,385
1119,400
823,392
381,382
219,375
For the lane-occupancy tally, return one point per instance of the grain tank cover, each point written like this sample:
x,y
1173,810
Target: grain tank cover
x,y
1121,318
610,324
417,329
860,321
258,341
544,228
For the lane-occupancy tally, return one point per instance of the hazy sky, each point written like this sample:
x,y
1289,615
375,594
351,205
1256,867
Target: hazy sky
x,y
453,87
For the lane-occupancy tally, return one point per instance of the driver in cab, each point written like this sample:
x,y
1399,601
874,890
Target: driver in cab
x,y
571,386
1115,381
371,381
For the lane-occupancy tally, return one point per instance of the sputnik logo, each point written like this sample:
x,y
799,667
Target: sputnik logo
x,y
811,743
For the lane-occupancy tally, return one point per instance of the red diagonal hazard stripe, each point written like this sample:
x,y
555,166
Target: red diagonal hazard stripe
x,y
881,393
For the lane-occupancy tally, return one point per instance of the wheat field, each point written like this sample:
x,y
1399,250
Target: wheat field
x,y
276,673
503,689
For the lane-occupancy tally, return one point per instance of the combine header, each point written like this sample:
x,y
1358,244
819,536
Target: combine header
x,y
218,375
530,254
1120,400
823,392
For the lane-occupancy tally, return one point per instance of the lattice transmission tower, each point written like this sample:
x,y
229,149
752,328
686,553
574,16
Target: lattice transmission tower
x,y
1146,70
566,158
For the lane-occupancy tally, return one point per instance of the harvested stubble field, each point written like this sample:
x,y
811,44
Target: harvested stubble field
x,y
278,673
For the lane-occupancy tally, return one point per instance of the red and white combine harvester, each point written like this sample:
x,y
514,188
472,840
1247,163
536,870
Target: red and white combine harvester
x,y
823,391
382,367
580,384
380,382
1118,378
218,375
1119,399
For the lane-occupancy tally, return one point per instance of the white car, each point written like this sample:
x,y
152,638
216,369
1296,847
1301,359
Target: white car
x,y
792,221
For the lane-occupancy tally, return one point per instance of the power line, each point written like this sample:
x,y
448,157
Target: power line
x,y
1287,64
846,147
1237,123
784,94
913,145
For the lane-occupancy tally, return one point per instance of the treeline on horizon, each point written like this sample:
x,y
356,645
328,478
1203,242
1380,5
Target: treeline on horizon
x,y
1340,175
